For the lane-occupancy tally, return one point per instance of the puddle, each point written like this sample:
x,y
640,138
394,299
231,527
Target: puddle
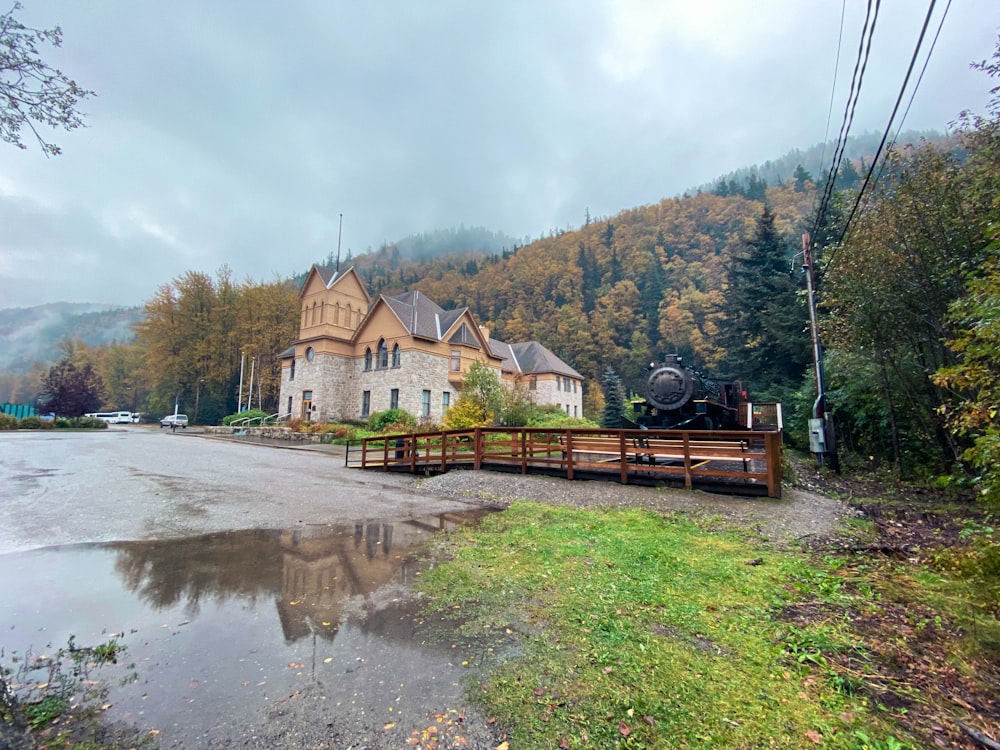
x,y
222,629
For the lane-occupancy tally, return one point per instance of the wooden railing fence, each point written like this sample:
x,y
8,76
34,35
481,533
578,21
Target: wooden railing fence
x,y
731,460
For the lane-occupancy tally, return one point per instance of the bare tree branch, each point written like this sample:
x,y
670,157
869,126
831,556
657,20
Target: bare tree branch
x,y
31,91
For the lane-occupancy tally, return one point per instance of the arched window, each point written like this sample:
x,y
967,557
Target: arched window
x,y
368,358
395,355
383,355
336,314
313,320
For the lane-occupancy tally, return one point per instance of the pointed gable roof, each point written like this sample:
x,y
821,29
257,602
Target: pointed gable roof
x,y
423,317
531,358
330,278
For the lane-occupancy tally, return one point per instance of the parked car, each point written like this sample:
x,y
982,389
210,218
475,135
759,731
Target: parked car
x,y
174,420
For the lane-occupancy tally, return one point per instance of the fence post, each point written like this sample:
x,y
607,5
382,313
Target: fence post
x,y
622,457
688,481
569,454
773,450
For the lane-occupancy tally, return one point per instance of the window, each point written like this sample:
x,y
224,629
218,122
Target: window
x,y
366,403
383,355
368,358
395,355
533,383
394,398
310,353
425,404
291,375
456,360
445,401
289,412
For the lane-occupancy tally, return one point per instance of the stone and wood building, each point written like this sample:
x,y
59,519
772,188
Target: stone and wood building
x,y
356,356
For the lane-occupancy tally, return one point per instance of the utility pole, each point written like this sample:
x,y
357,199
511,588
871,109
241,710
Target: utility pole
x,y
253,361
239,399
822,439
340,233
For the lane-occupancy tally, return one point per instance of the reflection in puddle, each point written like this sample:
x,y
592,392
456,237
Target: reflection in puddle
x,y
220,626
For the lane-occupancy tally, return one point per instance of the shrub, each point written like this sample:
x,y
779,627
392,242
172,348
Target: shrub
x,y
8,422
32,423
255,414
79,423
294,424
561,420
394,420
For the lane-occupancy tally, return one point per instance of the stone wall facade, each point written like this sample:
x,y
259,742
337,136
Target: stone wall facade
x,y
325,377
338,384
550,390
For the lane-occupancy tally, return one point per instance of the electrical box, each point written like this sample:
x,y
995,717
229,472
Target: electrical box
x,y
817,436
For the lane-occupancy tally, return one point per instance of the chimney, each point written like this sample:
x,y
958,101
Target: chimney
x,y
485,331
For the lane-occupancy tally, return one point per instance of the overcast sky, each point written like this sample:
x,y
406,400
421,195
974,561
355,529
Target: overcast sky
x,y
236,132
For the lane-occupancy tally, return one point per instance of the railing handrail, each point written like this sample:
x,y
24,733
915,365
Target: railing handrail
x,y
264,419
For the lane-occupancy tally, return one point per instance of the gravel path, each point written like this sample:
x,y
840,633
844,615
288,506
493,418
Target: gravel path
x,y
797,516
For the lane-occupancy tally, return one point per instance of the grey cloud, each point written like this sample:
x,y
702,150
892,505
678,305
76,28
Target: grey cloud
x,y
234,133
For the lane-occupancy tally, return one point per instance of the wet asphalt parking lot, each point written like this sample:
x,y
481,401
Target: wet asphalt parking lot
x,y
263,594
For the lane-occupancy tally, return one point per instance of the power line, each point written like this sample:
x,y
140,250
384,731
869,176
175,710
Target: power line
x,y
888,127
833,88
860,65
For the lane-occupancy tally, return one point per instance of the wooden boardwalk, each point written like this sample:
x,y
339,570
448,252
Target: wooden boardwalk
x,y
734,461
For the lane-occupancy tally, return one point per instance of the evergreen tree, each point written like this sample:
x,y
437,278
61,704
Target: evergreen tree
x,y
757,188
801,177
590,277
848,177
613,400
765,334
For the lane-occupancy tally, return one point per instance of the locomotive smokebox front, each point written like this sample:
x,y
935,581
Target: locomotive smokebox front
x,y
669,385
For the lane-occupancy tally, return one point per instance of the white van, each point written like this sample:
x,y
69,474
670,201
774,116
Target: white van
x,y
112,417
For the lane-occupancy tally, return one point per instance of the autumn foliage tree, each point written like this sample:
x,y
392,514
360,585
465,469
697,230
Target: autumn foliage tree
x,y
72,387
887,292
193,336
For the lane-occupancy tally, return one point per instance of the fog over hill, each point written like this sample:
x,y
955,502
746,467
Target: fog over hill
x,y
32,334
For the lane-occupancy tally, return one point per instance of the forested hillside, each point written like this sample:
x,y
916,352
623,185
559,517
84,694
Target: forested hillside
x,y
616,292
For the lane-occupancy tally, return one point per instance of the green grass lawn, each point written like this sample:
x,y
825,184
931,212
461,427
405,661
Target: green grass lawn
x,y
621,628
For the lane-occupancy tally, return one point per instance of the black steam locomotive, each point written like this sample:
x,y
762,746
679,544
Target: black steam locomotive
x,y
679,397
